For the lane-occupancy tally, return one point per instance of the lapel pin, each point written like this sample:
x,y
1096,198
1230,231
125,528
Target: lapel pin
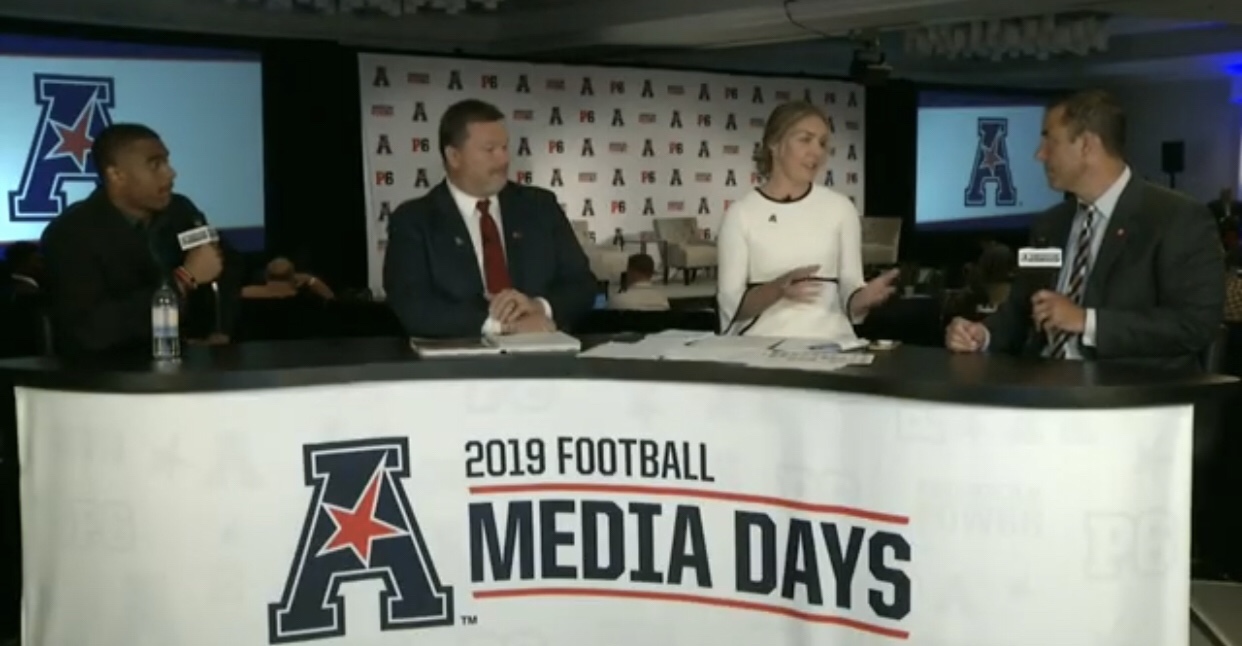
x,y
458,241
1121,232
517,235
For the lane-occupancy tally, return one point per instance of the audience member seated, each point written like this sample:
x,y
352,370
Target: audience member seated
x,y
639,292
992,277
282,280
22,320
1226,207
1233,286
25,265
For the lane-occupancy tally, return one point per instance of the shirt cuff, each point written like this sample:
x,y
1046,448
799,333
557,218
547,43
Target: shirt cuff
x,y
849,314
547,307
987,340
1088,329
492,327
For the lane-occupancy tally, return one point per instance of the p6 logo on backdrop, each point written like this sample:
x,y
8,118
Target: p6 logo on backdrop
x,y
74,110
992,165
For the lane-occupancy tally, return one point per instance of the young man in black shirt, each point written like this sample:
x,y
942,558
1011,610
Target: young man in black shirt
x,y
105,256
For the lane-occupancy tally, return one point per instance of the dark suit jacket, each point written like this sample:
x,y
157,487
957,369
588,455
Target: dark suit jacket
x,y
431,273
101,271
1157,283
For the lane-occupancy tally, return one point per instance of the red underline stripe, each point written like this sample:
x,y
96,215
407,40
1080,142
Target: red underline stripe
x,y
684,492
695,599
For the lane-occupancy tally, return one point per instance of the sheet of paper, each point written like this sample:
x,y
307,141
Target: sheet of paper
x,y
822,345
757,352
817,362
650,347
546,342
615,350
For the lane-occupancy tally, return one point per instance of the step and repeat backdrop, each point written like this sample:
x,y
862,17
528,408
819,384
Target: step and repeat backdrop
x,y
619,146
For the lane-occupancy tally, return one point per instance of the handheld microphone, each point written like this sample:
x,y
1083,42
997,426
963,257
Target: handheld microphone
x,y
1041,263
200,235
1041,266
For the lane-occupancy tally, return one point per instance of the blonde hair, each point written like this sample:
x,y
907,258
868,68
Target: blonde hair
x,y
782,119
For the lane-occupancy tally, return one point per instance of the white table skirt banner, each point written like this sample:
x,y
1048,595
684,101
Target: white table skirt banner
x,y
609,513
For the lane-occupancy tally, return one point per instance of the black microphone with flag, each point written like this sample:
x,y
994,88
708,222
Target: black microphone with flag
x,y
200,235
1040,265
190,239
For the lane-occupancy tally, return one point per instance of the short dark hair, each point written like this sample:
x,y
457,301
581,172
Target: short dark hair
x,y
1097,112
640,263
455,123
112,140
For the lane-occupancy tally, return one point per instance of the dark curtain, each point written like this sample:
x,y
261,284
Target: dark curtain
x,y
891,148
312,121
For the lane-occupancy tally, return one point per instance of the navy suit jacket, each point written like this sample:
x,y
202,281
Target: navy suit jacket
x,y
431,273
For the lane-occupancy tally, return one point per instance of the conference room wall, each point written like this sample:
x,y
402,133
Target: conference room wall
x,y
1203,114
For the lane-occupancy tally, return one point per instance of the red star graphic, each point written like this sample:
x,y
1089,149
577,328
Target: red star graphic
x,y
357,528
991,158
75,141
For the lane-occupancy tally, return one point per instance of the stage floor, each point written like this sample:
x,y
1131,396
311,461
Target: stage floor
x,y
1216,613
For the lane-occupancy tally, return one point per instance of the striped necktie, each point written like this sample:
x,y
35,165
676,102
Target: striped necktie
x,y
1078,273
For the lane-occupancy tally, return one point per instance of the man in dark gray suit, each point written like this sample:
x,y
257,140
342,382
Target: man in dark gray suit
x,y
1141,279
479,255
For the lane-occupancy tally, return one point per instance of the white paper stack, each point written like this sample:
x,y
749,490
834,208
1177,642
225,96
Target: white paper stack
x,y
757,352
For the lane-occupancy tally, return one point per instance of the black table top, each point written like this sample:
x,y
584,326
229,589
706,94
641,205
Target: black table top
x,y
919,373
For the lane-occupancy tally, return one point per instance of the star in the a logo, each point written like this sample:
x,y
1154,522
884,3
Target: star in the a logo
x,y
358,528
75,141
992,157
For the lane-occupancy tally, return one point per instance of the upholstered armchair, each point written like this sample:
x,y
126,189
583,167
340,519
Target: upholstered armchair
x,y
607,261
880,238
683,247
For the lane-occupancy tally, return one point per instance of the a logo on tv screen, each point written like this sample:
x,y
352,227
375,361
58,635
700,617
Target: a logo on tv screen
x,y
991,166
73,111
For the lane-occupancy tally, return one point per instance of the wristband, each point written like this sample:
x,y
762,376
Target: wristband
x,y
186,277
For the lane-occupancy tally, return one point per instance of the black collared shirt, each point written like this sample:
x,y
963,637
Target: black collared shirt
x,y
102,269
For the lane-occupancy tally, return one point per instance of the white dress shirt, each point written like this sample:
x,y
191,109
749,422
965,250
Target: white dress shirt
x,y
468,206
761,239
1104,207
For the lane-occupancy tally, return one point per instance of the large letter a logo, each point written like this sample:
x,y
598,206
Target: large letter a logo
x,y
992,165
75,109
359,526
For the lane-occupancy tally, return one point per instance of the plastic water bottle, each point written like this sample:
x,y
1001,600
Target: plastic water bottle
x,y
165,325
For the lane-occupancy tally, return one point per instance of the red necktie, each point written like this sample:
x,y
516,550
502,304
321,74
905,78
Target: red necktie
x,y
495,271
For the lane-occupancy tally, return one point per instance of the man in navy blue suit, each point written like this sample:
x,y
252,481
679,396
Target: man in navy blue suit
x,y
478,254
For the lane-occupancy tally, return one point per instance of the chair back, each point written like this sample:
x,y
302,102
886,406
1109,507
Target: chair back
x,y
676,230
1215,355
880,240
582,231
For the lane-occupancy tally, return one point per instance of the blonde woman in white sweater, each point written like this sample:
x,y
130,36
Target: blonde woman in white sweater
x,y
790,251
